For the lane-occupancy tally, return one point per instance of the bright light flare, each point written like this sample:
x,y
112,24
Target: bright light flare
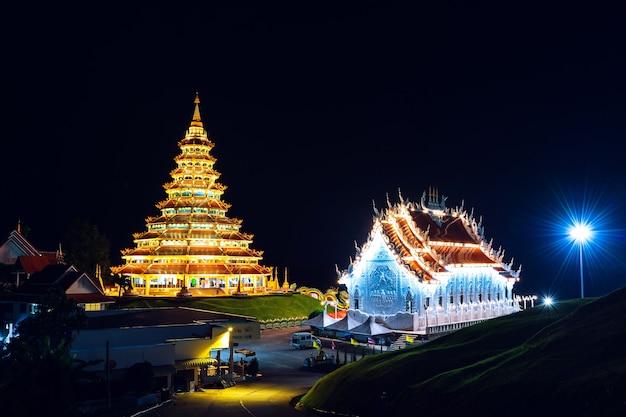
x,y
579,225
580,232
548,301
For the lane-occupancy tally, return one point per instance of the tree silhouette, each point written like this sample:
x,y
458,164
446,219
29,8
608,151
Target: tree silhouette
x,y
39,356
123,283
85,248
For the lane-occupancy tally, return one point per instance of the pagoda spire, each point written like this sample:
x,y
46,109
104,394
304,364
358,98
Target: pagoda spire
x,y
197,121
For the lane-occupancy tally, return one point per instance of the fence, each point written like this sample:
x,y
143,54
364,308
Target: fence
x,y
282,323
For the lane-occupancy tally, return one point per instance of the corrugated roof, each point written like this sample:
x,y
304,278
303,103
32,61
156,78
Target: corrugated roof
x,y
159,317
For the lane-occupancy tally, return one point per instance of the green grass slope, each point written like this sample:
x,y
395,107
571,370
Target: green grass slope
x,y
261,307
565,359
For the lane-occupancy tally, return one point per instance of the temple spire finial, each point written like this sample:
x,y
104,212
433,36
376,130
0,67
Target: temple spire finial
x,y
196,120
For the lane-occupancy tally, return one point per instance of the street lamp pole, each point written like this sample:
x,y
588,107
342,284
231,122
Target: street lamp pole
x,y
230,359
582,282
580,233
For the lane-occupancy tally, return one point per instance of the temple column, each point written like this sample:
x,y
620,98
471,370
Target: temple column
x,y
146,284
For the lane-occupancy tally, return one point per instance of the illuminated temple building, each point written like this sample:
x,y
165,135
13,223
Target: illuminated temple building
x,y
427,268
192,247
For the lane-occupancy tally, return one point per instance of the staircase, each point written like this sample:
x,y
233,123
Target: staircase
x,y
398,341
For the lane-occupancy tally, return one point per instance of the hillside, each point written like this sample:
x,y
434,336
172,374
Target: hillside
x,y
568,359
261,307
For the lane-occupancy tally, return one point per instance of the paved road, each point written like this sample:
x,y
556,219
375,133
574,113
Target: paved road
x,y
283,379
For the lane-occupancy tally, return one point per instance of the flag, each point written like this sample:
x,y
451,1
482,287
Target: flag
x,y
353,342
409,339
332,344
370,341
316,345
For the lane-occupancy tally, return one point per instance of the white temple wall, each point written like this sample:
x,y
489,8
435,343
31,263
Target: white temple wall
x,y
379,285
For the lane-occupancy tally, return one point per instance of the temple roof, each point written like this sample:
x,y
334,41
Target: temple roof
x,y
451,229
77,285
32,264
15,246
430,239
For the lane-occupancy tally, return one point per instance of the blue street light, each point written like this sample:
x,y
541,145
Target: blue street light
x,y
581,233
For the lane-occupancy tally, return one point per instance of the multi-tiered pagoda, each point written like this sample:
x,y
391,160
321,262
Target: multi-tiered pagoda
x,y
193,247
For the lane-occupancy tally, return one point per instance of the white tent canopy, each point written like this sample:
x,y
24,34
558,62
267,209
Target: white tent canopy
x,y
352,319
371,328
320,321
400,321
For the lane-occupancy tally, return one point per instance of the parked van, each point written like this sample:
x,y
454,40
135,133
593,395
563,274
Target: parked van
x,y
304,340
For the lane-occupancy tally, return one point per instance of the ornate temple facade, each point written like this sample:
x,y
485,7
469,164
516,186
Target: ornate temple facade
x,y
192,247
426,269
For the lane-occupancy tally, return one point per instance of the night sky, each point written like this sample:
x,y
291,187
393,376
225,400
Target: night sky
x,y
318,110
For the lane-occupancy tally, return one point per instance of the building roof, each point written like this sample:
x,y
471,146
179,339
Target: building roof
x,y
166,316
430,238
15,246
34,263
78,286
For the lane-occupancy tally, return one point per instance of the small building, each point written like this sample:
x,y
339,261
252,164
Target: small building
x,y
32,274
426,268
20,258
185,346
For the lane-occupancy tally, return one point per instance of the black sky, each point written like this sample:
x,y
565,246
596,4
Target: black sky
x,y
318,110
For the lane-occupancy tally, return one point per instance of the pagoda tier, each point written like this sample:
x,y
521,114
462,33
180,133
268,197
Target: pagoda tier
x,y
192,243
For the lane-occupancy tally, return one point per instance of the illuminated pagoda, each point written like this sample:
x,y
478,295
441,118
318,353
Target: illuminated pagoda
x,y
193,247
427,269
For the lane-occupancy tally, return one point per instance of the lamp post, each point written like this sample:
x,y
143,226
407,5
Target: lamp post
x,y
230,347
580,233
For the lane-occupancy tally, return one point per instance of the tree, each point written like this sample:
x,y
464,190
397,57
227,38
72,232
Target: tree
x,y
123,283
39,355
85,248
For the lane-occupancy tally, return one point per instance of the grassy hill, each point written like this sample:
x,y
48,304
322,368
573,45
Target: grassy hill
x,y
568,359
262,307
